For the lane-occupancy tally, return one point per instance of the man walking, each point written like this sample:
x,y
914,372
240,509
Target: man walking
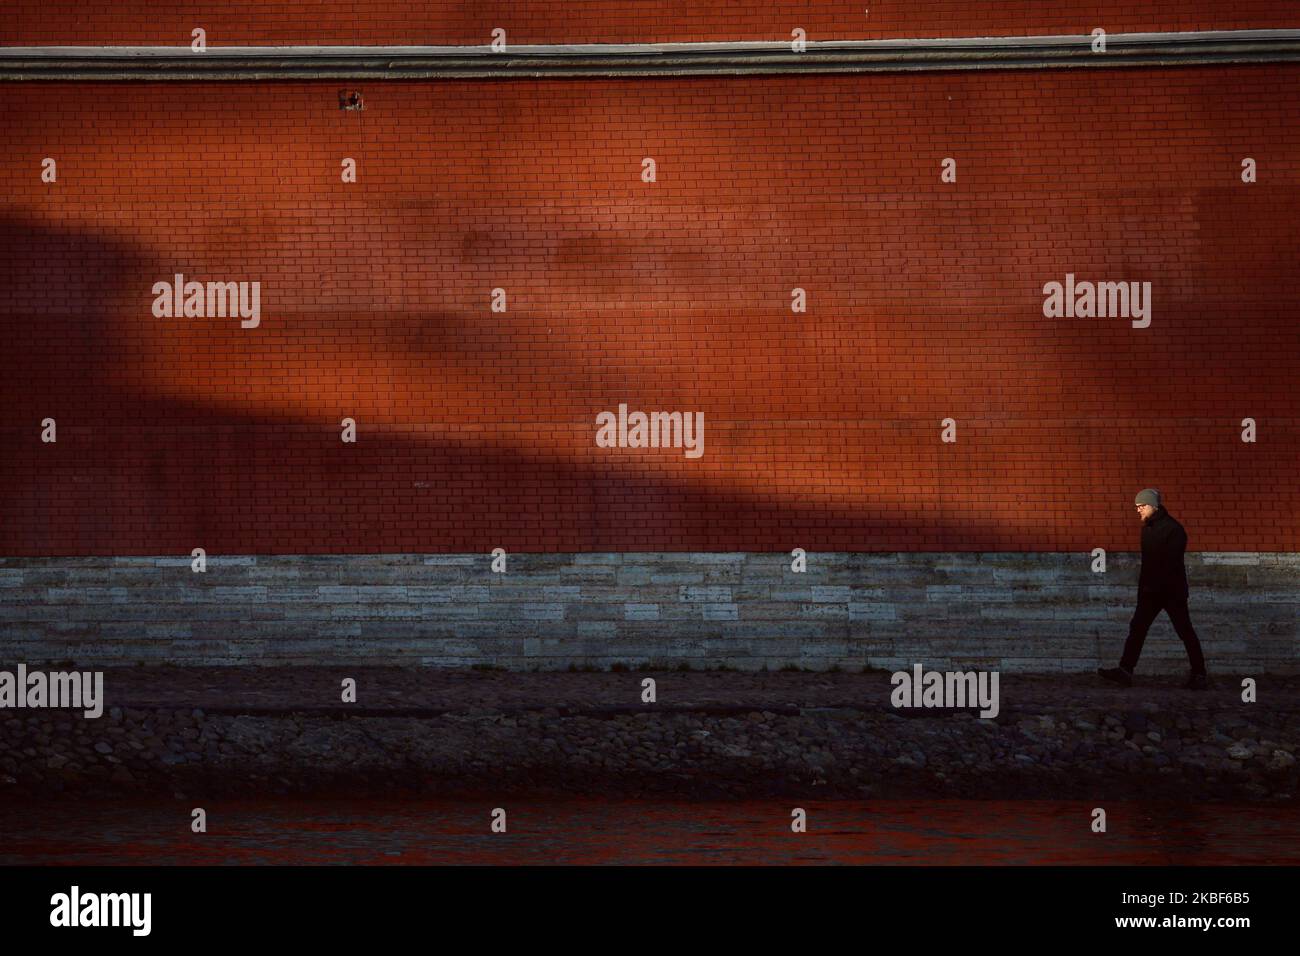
x,y
1162,585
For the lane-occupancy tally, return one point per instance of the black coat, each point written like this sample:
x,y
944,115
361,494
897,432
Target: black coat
x,y
1163,543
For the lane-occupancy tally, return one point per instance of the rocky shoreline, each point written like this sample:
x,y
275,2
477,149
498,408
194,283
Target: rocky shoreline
x,y
233,732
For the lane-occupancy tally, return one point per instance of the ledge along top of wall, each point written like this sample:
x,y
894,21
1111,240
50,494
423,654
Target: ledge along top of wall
x,y
151,63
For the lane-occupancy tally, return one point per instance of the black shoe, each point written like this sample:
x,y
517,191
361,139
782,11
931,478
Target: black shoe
x,y
1116,675
1197,682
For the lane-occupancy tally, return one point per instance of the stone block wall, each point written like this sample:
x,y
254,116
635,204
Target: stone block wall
x,y
1027,612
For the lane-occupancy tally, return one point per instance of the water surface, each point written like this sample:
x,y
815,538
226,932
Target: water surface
x,y
378,831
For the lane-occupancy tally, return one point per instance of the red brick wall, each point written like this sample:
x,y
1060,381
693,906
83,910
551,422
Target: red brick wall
x,y
291,22
822,429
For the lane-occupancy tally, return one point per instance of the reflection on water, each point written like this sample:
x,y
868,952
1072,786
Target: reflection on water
x,y
371,831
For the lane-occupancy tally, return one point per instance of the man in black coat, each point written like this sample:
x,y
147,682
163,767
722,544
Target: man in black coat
x,y
1162,585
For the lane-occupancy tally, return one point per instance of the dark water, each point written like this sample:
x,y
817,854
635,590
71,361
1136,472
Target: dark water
x,y
434,832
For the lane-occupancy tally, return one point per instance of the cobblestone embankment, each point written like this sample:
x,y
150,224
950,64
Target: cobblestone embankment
x,y
243,731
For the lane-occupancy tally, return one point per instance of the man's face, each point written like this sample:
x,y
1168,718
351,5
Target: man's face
x,y
1145,511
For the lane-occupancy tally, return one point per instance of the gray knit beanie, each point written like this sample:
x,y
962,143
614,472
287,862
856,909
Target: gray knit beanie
x,y
1148,496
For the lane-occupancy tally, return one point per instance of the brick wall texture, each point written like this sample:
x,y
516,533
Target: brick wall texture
x,y
476,429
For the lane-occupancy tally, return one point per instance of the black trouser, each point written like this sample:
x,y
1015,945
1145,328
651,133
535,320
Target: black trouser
x,y
1149,606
